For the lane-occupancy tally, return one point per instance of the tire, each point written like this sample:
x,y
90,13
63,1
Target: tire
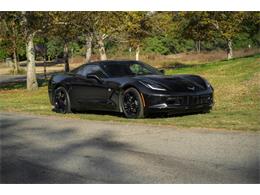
x,y
132,104
62,101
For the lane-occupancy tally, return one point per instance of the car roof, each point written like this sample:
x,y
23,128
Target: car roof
x,y
111,61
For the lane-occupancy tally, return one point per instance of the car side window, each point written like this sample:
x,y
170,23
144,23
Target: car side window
x,y
138,69
92,69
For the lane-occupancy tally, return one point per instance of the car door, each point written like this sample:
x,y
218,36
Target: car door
x,y
89,93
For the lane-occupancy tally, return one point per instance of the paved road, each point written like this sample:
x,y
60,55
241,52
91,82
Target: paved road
x,y
17,78
53,150
12,78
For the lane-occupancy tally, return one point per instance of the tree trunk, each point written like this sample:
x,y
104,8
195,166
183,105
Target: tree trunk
x,y
229,49
88,48
31,72
44,67
137,52
66,58
102,50
16,65
71,56
14,44
198,46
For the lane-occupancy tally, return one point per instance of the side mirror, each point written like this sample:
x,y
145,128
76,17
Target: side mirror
x,y
93,76
162,71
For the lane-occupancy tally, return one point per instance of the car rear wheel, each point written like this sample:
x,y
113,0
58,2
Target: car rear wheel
x,y
62,100
132,104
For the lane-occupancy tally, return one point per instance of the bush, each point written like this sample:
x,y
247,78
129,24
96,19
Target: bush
x,y
3,54
155,45
54,47
243,40
74,48
3,50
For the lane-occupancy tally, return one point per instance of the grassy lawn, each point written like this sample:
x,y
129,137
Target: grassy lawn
x,y
237,98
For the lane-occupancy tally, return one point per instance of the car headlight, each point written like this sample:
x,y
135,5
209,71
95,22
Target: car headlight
x,y
152,86
208,84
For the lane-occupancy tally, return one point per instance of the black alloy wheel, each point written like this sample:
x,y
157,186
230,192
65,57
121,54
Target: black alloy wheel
x,y
132,104
62,101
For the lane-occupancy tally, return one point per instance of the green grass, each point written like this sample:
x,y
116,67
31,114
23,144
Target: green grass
x,y
237,98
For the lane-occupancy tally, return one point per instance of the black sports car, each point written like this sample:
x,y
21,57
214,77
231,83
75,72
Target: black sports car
x,y
131,87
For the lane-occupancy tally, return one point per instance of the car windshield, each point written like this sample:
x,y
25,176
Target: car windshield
x,y
128,68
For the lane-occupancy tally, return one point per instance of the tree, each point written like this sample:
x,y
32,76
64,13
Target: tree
x,y
165,29
100,26
33,23
88,46
195,26
11,32
251,26
64,25
85,25
211,25
137,27
228,25
54,47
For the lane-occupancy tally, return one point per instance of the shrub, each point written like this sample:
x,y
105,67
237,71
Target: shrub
x,y
155,45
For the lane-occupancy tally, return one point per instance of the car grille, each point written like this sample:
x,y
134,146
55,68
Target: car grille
x,y
190,100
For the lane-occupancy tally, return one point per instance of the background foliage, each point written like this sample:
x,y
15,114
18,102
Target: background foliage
x,y
155,32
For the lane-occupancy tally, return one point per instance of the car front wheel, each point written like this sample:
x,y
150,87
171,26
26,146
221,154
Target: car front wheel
x,y
62,100
132,103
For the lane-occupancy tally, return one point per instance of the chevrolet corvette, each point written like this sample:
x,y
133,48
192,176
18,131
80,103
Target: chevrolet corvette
x,y
130,87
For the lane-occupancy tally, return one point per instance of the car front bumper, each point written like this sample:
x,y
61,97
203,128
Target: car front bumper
x,y
178,103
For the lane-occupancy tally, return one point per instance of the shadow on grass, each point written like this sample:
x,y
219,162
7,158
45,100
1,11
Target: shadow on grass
x,y
179,65
182,65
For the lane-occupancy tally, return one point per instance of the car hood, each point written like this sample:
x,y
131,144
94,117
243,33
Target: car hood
x,y
177,83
